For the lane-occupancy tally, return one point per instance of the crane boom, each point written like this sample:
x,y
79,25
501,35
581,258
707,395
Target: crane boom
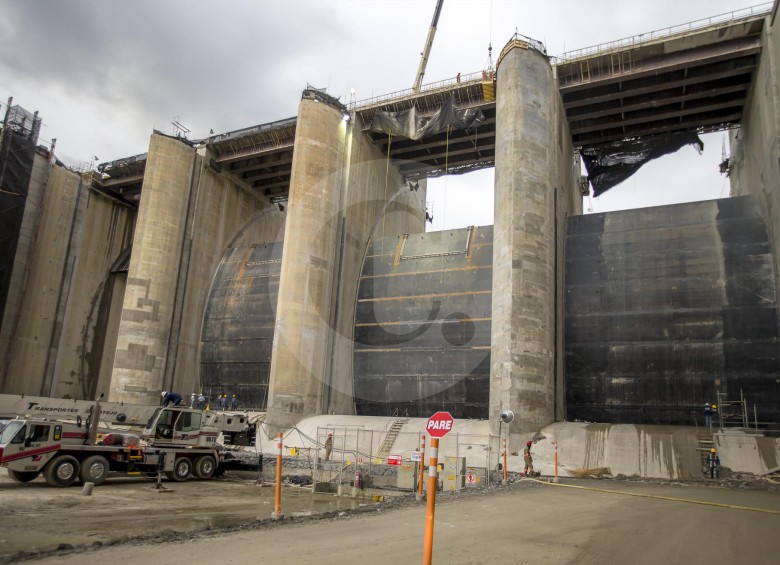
x,y
427,50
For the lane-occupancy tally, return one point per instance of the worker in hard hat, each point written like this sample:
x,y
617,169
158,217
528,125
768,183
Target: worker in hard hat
x,y
170,398
234,403
708,415
713,464
529,460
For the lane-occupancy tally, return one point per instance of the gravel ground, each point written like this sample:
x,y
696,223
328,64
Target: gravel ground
x,y
43,521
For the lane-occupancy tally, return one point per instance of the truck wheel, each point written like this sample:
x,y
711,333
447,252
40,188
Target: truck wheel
x,y
182,469
205,467
61,471
23,476
94,469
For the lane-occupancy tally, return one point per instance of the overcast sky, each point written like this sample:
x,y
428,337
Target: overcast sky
x,y
103,74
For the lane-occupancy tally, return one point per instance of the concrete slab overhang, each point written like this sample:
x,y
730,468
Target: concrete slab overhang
x,y
692,81
260,156
122,178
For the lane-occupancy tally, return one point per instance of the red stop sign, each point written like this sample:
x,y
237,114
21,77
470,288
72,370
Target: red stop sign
x,y
440,424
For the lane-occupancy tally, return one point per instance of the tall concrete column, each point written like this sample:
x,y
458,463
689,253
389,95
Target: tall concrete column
x,y
147,311
303,332
527,158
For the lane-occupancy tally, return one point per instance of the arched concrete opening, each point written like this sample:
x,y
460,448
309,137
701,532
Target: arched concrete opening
x,y
238,322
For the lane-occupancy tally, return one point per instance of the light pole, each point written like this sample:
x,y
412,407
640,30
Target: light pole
x,y
505,417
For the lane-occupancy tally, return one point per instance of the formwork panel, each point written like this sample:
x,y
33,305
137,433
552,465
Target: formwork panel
x,y
422,327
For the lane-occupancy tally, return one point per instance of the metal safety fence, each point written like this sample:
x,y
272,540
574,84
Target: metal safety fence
x,y
348,459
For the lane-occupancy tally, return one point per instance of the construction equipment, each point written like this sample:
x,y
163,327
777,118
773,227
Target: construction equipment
x,y
174,442
427,49
489,78
112,414
69,440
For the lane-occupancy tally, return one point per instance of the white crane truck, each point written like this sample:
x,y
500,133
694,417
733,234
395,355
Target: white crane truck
x,y
59,438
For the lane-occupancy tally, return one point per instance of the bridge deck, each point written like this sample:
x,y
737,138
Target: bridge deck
x,y
694,77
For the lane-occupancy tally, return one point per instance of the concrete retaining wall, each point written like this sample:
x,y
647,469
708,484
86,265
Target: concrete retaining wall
x,y
665,452
631,450
742,450
643,451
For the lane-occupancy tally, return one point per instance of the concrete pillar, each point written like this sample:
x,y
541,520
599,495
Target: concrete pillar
x,y
527,159
147,312
755,146
302,341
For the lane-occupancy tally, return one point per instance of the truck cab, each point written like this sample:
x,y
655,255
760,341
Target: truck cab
x,y
179,426
27,445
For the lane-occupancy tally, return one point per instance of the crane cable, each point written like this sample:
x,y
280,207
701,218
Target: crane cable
x,y
387,175
446,170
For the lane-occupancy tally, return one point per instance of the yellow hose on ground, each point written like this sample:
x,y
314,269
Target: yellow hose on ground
x,y
673,499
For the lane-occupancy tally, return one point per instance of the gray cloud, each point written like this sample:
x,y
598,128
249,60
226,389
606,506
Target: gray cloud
x,y
104,73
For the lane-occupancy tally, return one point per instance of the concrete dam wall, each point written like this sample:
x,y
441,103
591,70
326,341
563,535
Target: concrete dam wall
x,y
667,306
664,308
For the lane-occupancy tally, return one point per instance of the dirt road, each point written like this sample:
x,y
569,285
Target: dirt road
x,y
533,524
37,516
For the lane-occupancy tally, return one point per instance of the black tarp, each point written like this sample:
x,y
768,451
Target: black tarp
x,y
410,124
17,154
610,164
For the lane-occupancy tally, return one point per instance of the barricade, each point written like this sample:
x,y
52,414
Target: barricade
x,y
368,461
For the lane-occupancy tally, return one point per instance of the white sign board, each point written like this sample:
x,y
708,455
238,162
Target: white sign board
x,y
415,456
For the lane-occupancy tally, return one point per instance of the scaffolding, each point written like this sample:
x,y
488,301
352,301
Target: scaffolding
x,y
732,413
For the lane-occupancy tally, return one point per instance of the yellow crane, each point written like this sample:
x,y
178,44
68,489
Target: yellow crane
x,y
427,49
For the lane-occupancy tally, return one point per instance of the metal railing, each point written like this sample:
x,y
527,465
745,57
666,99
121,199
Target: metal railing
x,y
251,130
471,78
637,40
355,452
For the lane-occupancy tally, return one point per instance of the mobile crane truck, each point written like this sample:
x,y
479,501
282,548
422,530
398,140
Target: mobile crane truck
x,y
180,442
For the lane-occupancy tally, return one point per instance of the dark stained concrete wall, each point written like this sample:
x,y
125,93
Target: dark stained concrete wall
x,y
238,327
422,327
666,306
